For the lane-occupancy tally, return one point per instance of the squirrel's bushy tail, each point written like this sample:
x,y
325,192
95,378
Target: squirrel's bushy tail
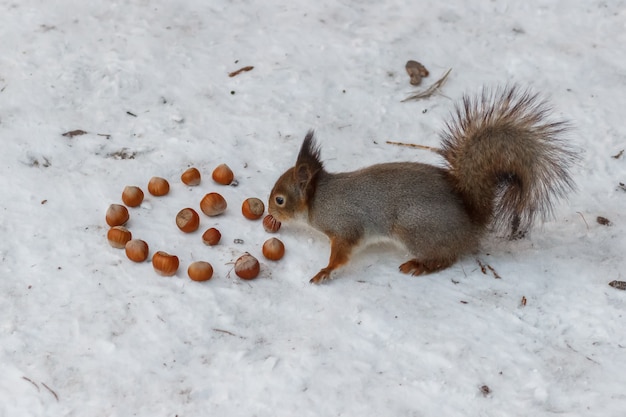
x,y
506,159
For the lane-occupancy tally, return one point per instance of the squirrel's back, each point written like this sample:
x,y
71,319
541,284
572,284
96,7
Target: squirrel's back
x,y
408,202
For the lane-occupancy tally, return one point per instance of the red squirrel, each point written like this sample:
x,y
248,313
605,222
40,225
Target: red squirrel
x,y
505,165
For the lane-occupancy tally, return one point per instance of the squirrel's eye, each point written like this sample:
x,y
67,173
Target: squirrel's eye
x,y
279,200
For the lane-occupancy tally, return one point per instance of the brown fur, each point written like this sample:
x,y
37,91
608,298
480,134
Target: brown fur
x,y
506,160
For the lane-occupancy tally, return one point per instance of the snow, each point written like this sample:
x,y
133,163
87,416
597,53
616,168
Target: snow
x,y
84,331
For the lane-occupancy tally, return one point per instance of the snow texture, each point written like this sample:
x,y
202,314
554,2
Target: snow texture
x,y
86,332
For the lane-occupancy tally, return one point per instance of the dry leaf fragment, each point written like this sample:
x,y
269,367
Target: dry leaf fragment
x,y
240,70
416,71
485,267
603,221
619,285
73,133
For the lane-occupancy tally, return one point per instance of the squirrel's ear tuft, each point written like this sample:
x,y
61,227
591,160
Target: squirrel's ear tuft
x,y
310,153
308,164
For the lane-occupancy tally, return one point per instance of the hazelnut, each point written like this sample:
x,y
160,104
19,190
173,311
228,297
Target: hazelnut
x,y
211,236
247,267
117,215
200,271
188,220
132,196
270,224
191,177
252,208
223,174
118,236
273,249
165,264
137,250
213,204
158,186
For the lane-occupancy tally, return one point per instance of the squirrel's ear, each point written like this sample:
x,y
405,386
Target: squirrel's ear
x,y
303,176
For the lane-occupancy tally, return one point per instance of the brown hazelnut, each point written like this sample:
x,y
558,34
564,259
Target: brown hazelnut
x,y
223,174
273,249
211,236
200,271
132,196
117,215
213,204
191,177
158,186
188,220
247,267
118,236
165,264
252,208
270,224
137,250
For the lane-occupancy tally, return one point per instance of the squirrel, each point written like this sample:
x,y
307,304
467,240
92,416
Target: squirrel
x,y
506,164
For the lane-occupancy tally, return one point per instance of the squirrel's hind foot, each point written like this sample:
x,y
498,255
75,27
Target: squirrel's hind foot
x,y
416,267
323,275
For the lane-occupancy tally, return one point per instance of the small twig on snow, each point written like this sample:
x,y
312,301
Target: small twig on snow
x,y
414,145
228,333
493,271
583,217
430,90
31,381
50,389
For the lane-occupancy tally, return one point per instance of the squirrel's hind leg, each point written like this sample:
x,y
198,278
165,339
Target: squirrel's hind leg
x,y
416,267
340,251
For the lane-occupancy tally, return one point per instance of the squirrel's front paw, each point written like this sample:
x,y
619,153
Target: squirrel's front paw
x,y
321,276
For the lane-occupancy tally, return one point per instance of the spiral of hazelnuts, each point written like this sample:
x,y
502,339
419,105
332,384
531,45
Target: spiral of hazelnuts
x,y
188,221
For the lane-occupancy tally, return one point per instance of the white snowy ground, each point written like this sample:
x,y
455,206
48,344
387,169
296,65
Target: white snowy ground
x,y
85,332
